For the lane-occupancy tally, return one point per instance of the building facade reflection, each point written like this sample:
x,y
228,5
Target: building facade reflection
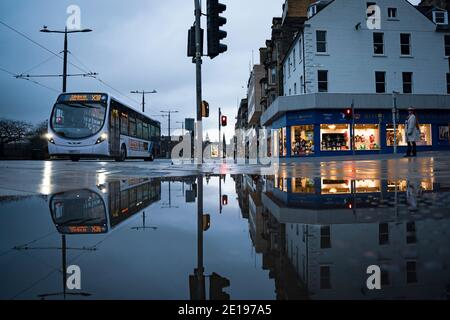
x,y
318,236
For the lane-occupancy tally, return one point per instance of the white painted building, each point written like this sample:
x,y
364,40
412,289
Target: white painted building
x,y
336,52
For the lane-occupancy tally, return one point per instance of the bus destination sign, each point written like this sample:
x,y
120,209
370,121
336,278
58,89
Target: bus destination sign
x,y
82,97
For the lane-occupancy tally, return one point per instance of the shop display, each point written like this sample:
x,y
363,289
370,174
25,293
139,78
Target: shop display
x,y
367,137
402,185
282,142
302,139
335,137
367,186
303,185
425,135
335,186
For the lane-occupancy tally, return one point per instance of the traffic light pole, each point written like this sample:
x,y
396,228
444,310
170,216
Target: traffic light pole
x,y
220,130
198,65
199,148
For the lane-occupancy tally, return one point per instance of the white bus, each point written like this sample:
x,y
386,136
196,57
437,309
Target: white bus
x,y
96,125
102,208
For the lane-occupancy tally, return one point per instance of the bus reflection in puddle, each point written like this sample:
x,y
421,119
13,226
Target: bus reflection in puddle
x,y
90,212
99,211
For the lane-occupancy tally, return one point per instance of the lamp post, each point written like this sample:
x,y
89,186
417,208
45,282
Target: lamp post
x,y
65,32
143,92
394,118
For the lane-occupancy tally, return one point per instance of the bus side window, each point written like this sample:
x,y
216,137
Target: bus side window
x,y
152,131
139,128
132,125
145,129
123,123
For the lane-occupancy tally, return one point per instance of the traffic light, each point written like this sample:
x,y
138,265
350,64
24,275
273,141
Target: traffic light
x,y
196,286
215,34
224,121
216,285
205,109
348,114
206,222
224,200
192,48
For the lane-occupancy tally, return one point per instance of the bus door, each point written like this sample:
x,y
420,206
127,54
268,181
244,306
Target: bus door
x,y
114,140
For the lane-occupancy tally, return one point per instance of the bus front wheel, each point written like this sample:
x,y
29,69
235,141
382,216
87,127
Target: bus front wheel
x,y
149,159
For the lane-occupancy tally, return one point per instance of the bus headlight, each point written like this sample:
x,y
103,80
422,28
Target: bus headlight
x,y
102,138
49,138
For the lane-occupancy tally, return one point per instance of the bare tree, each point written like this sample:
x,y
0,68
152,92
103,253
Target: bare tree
x,y
12,131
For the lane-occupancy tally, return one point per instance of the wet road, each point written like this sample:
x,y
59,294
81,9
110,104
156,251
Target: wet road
x,y
301,231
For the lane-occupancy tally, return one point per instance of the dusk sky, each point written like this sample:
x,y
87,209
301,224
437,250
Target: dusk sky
x,y
135,45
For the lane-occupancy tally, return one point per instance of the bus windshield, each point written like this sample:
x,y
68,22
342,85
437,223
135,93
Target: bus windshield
x,y
77,120
81,211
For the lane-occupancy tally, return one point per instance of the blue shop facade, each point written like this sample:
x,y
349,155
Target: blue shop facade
x,y
317,132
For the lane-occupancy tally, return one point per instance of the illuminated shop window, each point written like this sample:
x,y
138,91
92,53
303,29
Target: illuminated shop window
x,y
302,185
367,186
282,142
302,140
335,137
425,135
335,186
280,183
402,185
367,137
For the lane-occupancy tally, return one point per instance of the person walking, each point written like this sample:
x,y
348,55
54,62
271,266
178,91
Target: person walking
x,y
412,132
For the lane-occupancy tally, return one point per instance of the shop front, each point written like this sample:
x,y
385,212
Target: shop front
x,y
326,132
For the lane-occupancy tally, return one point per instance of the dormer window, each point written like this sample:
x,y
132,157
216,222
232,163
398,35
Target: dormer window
x,y
440,17
312,10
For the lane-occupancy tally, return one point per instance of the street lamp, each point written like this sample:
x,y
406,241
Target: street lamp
x,y
65,32
143,92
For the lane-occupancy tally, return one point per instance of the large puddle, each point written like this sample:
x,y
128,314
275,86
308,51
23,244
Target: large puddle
x,y
257,237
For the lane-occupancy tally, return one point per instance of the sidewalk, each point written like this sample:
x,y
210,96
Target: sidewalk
x,y
364,157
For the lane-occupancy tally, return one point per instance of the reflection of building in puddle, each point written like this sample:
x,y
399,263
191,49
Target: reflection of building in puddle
x,y
402,185
331,260
92,210
316,246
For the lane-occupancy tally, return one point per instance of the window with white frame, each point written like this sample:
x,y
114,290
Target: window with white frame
x,y
300,58
273,75
405,44
407,78
440,17
289,67
392,13
294,57
380,82
378,43
447,45
322,80
321,41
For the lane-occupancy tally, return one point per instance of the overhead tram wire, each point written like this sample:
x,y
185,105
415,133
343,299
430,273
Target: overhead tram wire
x,y
40,45
71,63
32,81
103,82
39,64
